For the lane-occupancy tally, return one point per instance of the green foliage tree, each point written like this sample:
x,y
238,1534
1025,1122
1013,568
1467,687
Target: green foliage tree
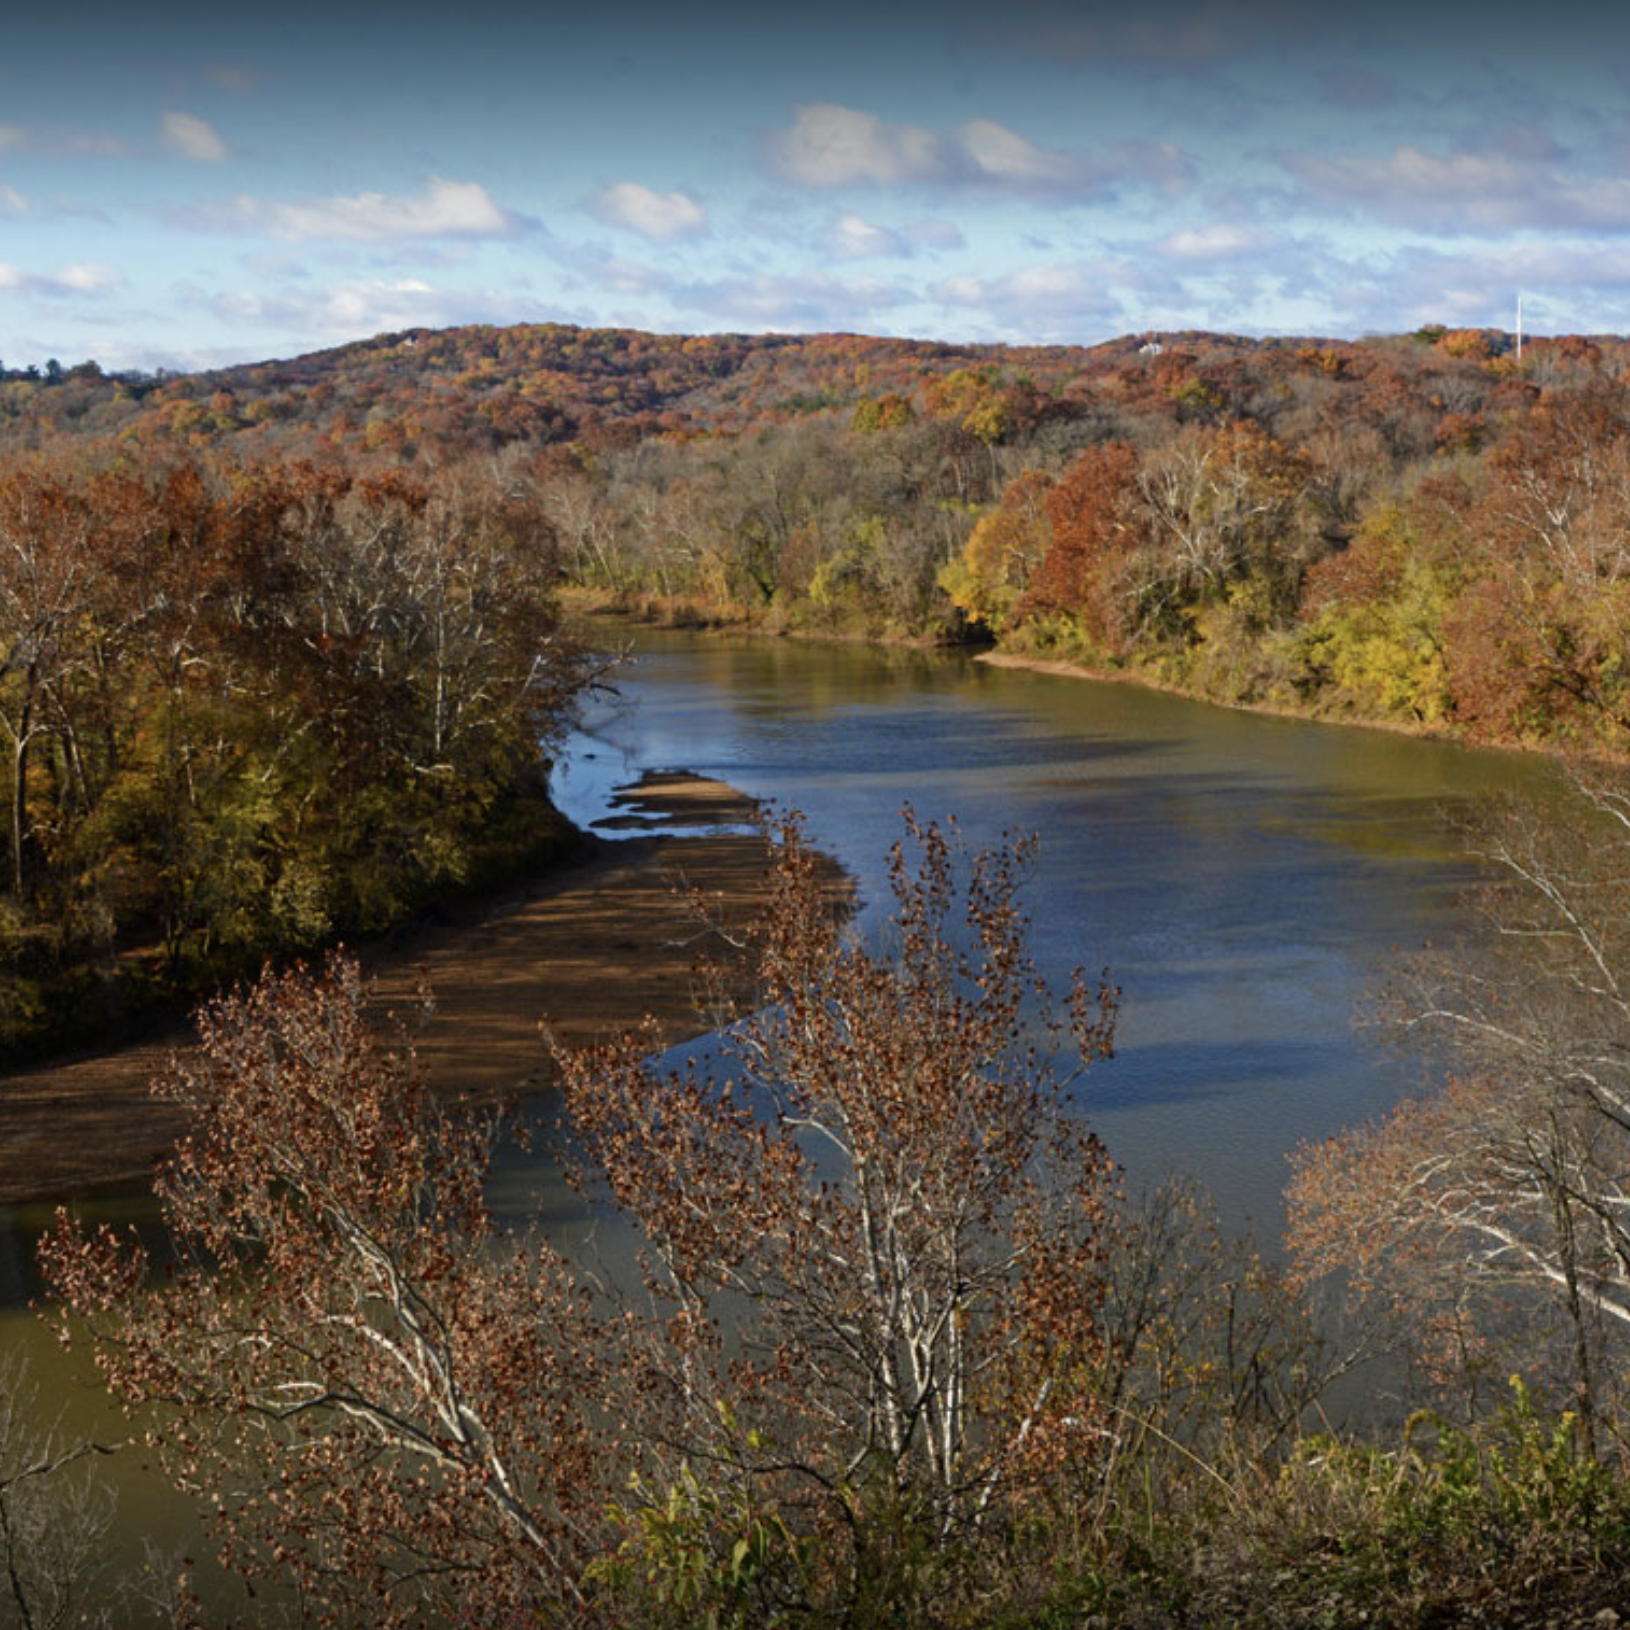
x,y
1375,630
987,581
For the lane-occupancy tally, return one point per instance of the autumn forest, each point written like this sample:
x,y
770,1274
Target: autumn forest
x,y
286,651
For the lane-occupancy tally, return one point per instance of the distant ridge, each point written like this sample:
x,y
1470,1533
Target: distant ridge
x,y
437,394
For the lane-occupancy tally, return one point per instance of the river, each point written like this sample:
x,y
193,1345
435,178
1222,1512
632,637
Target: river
x,y
1243,878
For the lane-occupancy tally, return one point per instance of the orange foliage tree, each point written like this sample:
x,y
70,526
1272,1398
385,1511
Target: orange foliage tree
x,y
1538,642
1090,508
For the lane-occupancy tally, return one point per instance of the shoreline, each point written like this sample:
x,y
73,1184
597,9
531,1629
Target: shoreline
x,y
994,656
594,946
1411,731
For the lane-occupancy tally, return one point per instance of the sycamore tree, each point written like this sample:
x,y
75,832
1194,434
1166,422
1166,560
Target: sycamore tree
x,y
885,1192
1494,1212
383,1403
54,1520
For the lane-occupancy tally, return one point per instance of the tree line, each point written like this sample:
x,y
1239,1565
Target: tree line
x,y
246,708
1344,549
1418,529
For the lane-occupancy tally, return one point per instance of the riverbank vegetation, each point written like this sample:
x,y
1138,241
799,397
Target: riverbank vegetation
x,y
1422,529
1419,532
278,643
902,1346
245,710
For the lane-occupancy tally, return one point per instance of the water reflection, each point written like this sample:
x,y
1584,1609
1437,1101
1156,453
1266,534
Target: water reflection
x,y
1242,877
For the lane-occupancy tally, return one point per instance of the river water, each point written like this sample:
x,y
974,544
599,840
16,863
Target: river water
x,y
1243,879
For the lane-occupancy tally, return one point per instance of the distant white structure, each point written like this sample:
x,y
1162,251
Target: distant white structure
x,y
1150,348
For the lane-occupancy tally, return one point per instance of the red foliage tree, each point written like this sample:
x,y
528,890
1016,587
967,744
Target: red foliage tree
x,y
391,1406
1090,507
892,1193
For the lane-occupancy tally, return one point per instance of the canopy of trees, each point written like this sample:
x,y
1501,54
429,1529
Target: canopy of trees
x,y
278,643
1422,528
243,709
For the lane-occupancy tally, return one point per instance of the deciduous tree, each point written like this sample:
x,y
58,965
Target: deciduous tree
x,y
889,1188
1498,1206
384,1403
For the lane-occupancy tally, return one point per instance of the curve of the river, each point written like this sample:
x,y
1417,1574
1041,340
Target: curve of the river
x,y
1243,878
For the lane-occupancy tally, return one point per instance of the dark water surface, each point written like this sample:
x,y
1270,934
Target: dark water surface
x,y
1242,878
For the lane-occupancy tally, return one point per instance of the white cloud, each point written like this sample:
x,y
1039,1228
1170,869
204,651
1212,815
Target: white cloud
x,y
1033,283
831,146
78,277
853,237
662,215
358,309
1004,155
1221,240
12,202
1511,186
1048,300
193,138
89,276
1583,286
445,209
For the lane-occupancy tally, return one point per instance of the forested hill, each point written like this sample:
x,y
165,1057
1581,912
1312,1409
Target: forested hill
x,y
434,396
440,394
278,643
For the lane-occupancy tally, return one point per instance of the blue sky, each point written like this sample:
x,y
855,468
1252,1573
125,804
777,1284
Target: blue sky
x,y
228,183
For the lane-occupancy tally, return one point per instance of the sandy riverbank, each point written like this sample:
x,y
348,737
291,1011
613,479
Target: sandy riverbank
x,y
594,948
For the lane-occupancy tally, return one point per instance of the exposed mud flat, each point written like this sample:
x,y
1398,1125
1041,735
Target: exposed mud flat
x,y
593,949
